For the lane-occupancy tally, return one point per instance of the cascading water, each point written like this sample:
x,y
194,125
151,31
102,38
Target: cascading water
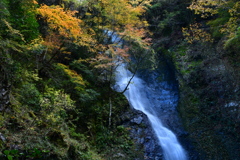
x,y
137,97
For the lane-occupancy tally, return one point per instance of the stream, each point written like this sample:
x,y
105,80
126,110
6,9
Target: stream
x,y
138,97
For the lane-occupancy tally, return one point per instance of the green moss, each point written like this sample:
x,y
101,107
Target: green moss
x,y
199,124
188,105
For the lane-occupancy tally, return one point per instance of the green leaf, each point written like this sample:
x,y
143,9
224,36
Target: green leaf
x,y
6,152
14,152
10,157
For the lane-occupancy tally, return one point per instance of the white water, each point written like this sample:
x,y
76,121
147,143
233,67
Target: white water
x,y
136,95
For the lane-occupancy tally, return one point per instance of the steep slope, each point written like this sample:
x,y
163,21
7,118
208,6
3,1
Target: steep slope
x,y
204,53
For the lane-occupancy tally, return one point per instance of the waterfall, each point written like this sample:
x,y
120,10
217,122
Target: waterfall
x,y
136,95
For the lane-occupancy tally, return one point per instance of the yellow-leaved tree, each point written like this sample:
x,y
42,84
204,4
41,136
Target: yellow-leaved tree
x,y
121,19
64,23
226,14
63,27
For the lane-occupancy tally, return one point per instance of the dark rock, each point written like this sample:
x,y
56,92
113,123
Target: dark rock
x,y
137,120
143,135
164,98
2,137
119,155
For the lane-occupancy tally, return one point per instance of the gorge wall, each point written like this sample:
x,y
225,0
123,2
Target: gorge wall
x,y
160,88
207,73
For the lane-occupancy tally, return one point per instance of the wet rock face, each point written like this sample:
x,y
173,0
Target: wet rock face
x,y
143,135
4,97
164,98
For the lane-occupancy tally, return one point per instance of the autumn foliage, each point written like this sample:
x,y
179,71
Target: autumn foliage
x,y
223,15
66,24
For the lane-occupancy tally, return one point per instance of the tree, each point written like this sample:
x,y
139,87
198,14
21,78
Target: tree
x,y
23,18
63,28
223,15
64,23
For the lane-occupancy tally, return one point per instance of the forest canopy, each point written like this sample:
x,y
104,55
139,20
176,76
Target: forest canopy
x,y
56,64
57,71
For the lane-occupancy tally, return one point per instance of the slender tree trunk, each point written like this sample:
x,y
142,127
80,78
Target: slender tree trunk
x,y
110,112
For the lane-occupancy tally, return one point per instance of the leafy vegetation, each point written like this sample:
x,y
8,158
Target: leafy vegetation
x,y
57,61
202,45
53,63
